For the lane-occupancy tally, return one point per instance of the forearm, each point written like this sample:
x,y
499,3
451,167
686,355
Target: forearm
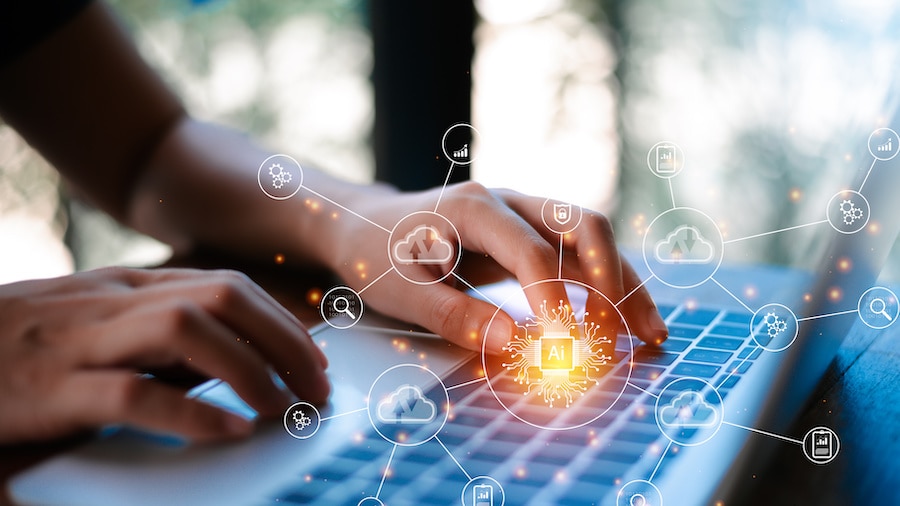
x,y
199,189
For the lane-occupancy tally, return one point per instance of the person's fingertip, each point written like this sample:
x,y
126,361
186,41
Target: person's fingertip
x,y
323,359
321,388
499,334
658,330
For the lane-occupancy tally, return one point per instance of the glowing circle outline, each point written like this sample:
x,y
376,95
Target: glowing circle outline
x,y
444,415
630,362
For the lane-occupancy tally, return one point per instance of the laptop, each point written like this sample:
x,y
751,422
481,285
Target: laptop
x,y
416,420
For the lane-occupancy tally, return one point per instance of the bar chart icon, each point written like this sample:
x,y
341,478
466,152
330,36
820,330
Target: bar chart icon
x,y
884,144
665,159
483,495
462,152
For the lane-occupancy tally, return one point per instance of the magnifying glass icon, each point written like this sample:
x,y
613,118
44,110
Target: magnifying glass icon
x,y
882,305
342,301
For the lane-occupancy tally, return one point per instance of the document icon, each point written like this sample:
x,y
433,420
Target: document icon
x,y
665,159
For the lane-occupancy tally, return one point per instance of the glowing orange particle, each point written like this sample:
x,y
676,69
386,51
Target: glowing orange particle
x,y
835,294
844,264
750,291
279,259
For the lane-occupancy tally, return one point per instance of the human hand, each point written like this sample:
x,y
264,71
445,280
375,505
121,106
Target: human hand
x,y
503,226
71,349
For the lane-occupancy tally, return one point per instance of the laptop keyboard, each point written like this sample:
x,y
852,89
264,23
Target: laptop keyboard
x,y
573,467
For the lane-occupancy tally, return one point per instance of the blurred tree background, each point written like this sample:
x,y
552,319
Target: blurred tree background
x,y
770,101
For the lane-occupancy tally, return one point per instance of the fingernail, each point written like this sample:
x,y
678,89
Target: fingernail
x,y
501,331
323,386
238,426
323,359
656,323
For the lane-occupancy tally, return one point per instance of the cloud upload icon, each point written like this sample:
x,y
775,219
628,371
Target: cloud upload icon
x,y
407,404
424,246
684,245
689,410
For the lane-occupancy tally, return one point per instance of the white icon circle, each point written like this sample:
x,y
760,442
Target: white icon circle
x,y
848,211
424,248
683,247
482,491
457,143
302,420
560,217
408,404
370,501
665,159
525,348
639,493
774,327
821,445
878,307
687,413
341,307
280,177
883,144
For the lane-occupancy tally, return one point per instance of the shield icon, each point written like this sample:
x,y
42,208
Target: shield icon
x,y
562,213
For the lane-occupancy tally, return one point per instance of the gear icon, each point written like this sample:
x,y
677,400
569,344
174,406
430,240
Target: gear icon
x,y
279,176
775,324
301,421
850,211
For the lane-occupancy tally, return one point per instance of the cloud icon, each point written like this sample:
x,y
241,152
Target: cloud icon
x,y
689,410
684,245
407,404
425,246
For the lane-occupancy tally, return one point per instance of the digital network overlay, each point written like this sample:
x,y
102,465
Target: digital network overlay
x,y
564,349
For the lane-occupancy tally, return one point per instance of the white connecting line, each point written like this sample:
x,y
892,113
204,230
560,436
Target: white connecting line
x,y
733,296
444,187
351,211
774,231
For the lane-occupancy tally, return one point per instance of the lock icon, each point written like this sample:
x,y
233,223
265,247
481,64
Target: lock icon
x,y
562,213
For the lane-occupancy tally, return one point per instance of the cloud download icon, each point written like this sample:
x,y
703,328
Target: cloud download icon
x,y
407,404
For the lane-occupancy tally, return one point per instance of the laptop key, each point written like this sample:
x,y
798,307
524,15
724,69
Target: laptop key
x,y
737,318
720,343
752,351
674,345
739,366
701,317
642,372
708,356
653,356
697,370
665,310
730,330
685,332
